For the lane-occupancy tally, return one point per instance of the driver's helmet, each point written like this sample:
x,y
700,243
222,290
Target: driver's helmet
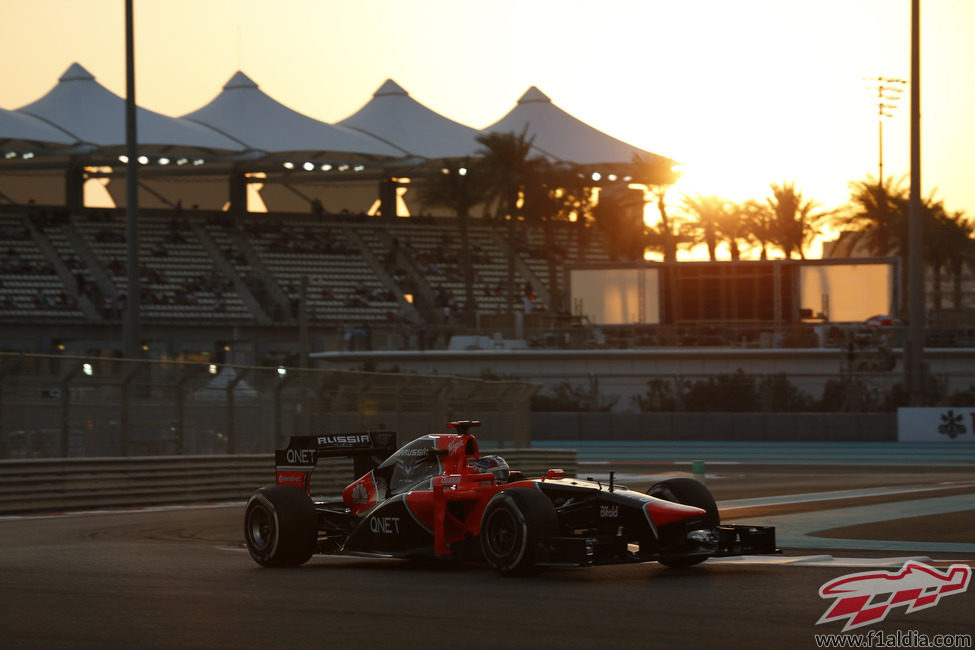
x,y
494,465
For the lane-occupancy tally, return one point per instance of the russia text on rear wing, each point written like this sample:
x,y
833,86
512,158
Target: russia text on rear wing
x,y
295,463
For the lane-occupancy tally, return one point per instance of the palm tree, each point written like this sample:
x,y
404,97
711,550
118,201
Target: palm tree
x,y
761,223
795,223
955,240
735,228
557,194
709,214
508,171
877,218
459,186
657,174
619,214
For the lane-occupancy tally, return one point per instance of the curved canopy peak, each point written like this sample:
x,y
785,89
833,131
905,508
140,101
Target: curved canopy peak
x,y
533,94
76,72
390,87
239,80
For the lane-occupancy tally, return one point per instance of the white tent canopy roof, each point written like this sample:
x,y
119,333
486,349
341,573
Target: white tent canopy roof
x,y
82,107
245,113
560,136
18,128
398,119
79,116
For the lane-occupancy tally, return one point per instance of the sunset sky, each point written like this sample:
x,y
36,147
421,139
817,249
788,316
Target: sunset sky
x,y
742,92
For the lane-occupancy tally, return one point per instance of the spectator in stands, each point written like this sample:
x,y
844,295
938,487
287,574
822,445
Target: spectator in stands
x,y
317,209
110,235
176,224
365,333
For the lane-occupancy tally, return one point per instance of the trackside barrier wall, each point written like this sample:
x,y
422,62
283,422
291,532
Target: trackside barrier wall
x,y
779,427
57,485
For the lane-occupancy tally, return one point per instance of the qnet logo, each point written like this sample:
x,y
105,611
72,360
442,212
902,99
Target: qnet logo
x,y
866,598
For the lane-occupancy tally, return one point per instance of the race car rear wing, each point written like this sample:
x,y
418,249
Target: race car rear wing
x,y
294,464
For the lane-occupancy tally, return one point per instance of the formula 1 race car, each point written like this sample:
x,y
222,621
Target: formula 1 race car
x,y
436,496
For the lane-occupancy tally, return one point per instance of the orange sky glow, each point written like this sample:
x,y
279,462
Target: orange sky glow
x,y
742,93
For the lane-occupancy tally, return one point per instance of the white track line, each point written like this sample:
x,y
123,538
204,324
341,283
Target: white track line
x,y
796,530
807,497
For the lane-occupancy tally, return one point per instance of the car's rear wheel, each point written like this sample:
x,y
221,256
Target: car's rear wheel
x,y
515,521
688,492
280,526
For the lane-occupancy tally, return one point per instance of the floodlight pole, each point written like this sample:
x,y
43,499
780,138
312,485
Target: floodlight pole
x,y
915,267
888,95
130,319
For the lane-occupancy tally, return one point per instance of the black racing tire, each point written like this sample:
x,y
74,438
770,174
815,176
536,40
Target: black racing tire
x,y
280,526
688,492
513,524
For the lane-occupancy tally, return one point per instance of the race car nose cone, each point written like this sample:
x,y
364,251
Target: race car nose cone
x,y
664,512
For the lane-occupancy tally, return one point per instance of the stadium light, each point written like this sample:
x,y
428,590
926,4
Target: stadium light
x,y
308,166
596,176
87,369
123,159
288,165
326,167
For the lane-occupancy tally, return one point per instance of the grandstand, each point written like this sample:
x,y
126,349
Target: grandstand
x,y
210,278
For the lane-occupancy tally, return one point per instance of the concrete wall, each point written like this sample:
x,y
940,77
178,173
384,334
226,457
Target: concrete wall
x,y
791,427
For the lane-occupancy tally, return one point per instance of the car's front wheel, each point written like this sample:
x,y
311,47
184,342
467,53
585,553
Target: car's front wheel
x,y
689,492
515,521
280,526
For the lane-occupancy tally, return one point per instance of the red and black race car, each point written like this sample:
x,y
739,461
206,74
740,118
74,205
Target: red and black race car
x,y
436,496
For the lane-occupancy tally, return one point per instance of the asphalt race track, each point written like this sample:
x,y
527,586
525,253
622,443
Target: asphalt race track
x,y
179,578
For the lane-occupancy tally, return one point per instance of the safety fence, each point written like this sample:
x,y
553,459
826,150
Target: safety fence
x,y
60,485
59,406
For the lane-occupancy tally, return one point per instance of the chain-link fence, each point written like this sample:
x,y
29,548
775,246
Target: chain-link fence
x,y
66,406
